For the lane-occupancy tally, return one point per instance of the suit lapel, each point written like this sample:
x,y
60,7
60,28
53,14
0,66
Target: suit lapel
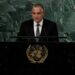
x,y
43,31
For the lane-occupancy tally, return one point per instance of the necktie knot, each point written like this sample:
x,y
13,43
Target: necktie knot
x,y
38,25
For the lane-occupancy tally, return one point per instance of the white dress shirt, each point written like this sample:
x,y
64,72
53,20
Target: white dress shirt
x,y
40,26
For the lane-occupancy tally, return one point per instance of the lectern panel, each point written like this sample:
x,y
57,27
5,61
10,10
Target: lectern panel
x,y
37,58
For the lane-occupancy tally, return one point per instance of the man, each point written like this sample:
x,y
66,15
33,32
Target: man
x,y
38,29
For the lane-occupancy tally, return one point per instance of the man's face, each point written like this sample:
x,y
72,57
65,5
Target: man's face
x,y
37,14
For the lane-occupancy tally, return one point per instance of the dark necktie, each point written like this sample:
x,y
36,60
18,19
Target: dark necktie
x,y
37,33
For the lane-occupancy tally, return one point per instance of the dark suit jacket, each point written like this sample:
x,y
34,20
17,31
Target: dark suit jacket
x,y
49,30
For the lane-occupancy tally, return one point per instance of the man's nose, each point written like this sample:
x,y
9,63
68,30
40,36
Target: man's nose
x,y
36,15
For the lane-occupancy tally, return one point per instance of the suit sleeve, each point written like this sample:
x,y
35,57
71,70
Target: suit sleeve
x,y
20,34
55,32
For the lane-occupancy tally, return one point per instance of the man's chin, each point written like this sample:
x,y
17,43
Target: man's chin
x,y
37,21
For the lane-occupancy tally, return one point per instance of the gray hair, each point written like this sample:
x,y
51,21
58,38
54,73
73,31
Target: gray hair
x,y
38,5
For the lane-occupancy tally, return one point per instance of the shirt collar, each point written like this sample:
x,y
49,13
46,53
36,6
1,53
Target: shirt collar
x,y
41,23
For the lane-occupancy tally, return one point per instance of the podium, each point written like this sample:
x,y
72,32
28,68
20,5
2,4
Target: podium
x,y
14,59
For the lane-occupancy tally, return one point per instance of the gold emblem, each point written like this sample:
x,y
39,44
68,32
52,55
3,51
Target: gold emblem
x,y
37,53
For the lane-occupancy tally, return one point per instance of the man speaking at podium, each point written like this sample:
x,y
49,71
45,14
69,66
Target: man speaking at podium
x,y
38,29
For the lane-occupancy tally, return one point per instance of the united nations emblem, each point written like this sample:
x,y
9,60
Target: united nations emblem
x,y
37,53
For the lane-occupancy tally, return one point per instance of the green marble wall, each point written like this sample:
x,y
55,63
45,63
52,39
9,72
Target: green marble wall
x,y
13,12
